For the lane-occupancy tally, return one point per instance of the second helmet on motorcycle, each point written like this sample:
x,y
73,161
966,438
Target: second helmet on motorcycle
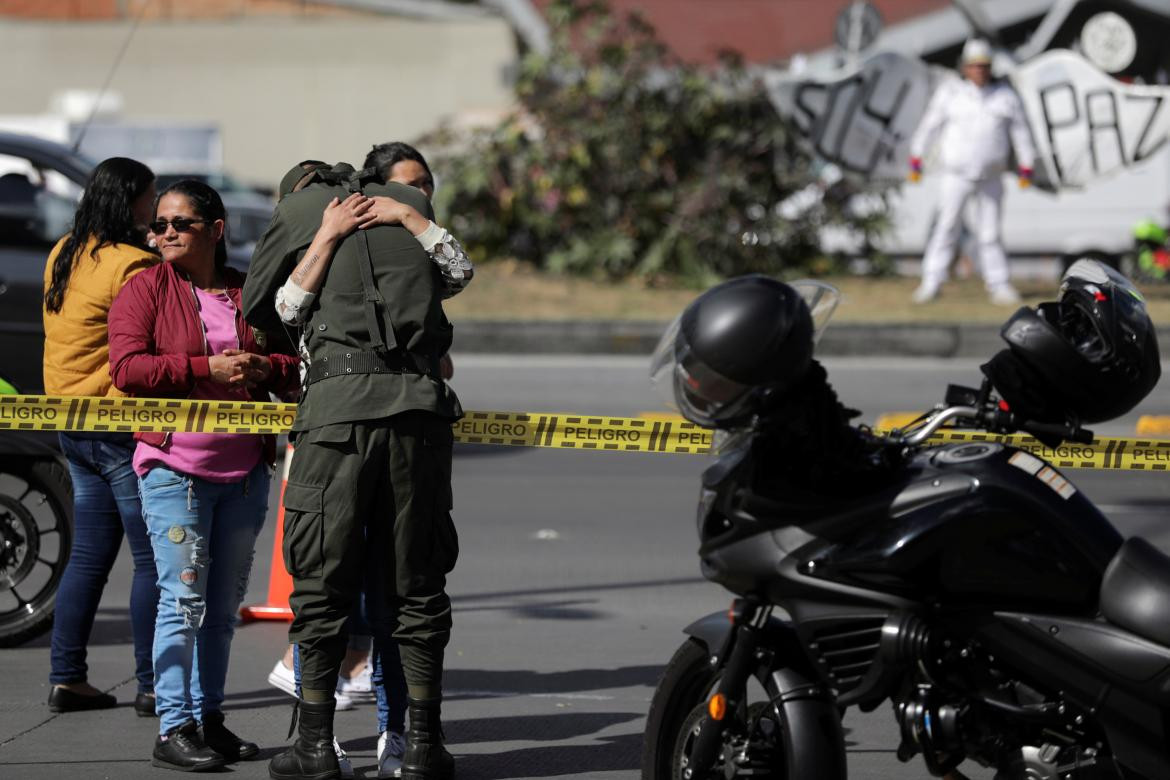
x,y
1091,357
735,342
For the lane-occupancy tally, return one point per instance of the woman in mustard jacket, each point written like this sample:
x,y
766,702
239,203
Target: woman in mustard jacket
x,y
84,273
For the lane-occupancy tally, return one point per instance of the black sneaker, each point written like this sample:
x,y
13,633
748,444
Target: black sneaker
x,y
220,738
183,749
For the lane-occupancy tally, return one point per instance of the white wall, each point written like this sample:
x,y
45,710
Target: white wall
x,y
281,90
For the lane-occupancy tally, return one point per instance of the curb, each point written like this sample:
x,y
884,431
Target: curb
x,y
559,337
635,337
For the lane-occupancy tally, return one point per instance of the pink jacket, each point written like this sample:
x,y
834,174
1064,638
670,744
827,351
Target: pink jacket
x,y
158,348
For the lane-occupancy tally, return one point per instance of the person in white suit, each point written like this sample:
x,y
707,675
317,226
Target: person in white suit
x,y
977,123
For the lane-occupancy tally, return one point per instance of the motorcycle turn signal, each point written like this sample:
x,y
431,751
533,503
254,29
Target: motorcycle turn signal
x,y
717,707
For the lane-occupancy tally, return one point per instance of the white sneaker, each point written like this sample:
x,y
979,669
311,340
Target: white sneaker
x,y
282,677
360,687
343,762
925,293
391,747
1004,295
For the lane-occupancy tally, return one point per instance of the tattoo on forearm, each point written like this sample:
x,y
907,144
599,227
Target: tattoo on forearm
x,y
298,275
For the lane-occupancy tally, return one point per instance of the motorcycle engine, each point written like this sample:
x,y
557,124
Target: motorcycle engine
x,y
1008,725
932,727
1050,762
936,728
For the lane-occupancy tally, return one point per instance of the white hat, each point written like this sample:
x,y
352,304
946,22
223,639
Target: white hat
x,y
976,52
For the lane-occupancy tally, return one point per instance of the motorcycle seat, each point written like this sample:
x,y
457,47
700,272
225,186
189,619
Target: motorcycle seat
x,y
1135,591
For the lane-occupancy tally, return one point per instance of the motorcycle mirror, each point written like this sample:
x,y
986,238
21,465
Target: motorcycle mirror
x,y
958,395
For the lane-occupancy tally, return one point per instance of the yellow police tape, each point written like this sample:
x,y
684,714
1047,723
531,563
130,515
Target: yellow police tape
x,y
145,415
659,433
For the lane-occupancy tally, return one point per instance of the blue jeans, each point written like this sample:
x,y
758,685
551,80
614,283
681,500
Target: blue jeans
x,y
204,534
389,683
105,506
386,675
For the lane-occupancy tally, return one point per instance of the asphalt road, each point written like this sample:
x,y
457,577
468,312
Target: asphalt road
x,y
577,574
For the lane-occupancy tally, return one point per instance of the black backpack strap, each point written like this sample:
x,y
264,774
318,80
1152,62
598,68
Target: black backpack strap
x,y
373,298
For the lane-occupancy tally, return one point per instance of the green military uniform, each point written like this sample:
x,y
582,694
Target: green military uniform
x,y
371,480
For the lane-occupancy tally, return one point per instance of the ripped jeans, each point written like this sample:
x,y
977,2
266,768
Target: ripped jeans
x,y
203,534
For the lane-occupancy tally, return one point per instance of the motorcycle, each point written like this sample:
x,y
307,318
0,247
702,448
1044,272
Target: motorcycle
x,y
1150,256
974,588
36,532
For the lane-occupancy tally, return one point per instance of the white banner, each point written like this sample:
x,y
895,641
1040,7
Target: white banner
x,y
862,120
1086,124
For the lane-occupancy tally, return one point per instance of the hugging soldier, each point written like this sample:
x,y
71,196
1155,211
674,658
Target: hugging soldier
x,y
370,486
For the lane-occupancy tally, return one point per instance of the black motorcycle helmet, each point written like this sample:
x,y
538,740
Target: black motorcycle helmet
x,y
1090,357
737,341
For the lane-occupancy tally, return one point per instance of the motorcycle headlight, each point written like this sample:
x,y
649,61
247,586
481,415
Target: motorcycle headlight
x,y
706,504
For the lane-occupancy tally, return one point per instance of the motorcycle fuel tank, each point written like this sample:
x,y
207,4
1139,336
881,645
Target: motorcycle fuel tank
x,y
983,524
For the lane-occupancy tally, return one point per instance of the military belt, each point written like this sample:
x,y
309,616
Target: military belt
x,y
363,362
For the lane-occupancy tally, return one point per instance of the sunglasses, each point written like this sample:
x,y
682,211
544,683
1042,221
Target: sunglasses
x,y
180,224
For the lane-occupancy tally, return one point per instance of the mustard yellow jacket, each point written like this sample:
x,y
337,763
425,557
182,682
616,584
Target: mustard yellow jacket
x,y
77,354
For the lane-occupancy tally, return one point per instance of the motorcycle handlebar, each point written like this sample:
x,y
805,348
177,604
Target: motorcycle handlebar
x,y
997,420
1065,432
938,420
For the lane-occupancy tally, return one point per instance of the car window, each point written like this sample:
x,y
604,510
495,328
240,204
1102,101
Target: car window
x,y
245,227
36,204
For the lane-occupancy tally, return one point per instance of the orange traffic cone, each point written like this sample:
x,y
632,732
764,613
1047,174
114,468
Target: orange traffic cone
x,y
280,583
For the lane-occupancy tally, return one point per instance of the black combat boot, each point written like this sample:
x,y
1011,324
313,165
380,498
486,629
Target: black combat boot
x,y
221,739
311,757
426,758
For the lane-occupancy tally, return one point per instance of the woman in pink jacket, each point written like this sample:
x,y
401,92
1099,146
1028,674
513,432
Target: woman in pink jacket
x,y
176,331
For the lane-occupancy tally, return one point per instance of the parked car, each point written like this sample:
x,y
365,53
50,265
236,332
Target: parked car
x,y
40,184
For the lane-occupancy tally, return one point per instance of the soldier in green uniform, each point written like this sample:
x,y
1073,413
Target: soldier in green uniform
x,y
370,485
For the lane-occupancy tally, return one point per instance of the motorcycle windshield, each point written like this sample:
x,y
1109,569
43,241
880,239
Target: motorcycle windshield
x,y
822,299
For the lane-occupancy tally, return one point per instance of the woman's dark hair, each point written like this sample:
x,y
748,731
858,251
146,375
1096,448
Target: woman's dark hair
x,y
383,157
208,205
106,213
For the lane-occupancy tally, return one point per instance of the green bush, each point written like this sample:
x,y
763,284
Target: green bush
x,y
622,161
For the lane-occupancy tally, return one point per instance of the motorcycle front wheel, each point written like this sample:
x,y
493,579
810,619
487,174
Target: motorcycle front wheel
x,y
36,534
684,685
678,709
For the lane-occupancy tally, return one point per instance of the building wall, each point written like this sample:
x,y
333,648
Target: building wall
x,y
80,10
763,31
59,9
280,89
